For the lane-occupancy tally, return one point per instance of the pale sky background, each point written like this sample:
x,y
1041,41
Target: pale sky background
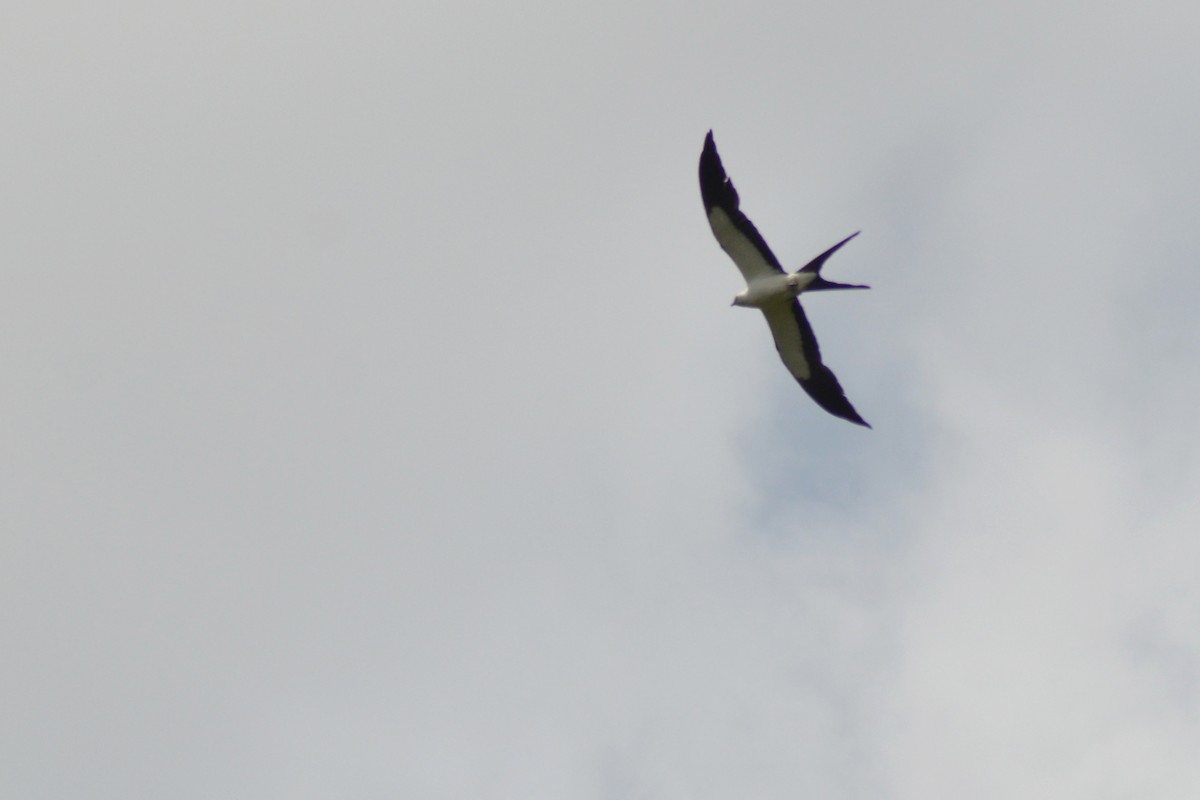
x,y
375,423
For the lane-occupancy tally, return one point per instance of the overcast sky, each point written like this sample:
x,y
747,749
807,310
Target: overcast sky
x,y
375,424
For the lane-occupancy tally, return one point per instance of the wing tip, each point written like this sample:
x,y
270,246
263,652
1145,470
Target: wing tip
x,y
837,405
823,387
852,416
840,407
716,190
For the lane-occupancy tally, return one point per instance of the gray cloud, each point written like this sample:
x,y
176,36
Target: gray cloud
x,y
375,421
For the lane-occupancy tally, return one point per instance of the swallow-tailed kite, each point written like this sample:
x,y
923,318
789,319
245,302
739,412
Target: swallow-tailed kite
x,y
771,290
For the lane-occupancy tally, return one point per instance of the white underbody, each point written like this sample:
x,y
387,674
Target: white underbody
x,y
766,290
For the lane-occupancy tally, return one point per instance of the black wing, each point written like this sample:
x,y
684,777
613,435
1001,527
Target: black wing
x,y
797,346
735,233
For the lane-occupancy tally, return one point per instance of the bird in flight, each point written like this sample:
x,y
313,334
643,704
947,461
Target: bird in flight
x,y
772,290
